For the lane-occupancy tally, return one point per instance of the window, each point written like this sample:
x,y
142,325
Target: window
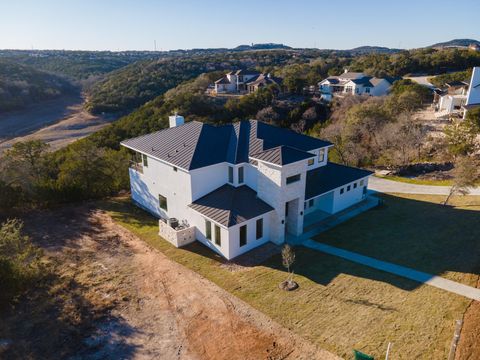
x,y
175,168
293,178
311,162
354,185
162,201
218,236
361,182
145,160
230,174
342,190
259,228
311,202
321,155
240,175
348,188
364,190
304,205
367,90
286,209
208,230
243,235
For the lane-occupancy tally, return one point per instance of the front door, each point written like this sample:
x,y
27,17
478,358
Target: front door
x,y
291,216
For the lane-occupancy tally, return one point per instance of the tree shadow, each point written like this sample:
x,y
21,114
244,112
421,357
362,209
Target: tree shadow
x,y
55,321
60,317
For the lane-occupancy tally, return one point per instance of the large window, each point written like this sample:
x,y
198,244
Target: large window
x,y
208,230
145,160
240,175
321,155
243,235
162,200
259,228
230,174
218,236
293,178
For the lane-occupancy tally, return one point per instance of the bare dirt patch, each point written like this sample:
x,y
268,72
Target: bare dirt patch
x,y
112,296
57,123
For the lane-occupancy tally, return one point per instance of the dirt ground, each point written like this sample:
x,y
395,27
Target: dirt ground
x,y
58,123
468,347
112,296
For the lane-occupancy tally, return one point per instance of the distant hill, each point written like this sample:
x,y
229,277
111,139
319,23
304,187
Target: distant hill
x,y
455,42
267,46
361,50
22,85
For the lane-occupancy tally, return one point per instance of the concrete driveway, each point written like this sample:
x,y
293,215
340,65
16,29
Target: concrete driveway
x,y
388,186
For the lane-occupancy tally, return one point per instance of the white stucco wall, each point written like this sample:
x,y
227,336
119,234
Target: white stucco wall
x,y
473,94
207,179
234,236
160,178
348,198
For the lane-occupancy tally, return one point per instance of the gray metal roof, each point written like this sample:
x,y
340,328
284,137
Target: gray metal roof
x,y
282,155
229,206
195,144
331,176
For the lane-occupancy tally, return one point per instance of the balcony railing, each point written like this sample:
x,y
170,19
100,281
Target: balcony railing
x,y
136,166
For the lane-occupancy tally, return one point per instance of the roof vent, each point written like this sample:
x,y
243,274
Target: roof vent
x,y
176,120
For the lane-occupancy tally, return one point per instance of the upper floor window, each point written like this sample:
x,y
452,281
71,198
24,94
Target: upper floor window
x,y
162,201
240,175
230,174
311,162
293,178
321,155
145,160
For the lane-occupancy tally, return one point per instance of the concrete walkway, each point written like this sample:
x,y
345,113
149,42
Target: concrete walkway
x,y
389,186
422,277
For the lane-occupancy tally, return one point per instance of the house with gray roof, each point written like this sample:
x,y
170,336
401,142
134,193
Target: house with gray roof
x,y
244,82
235,187
354,83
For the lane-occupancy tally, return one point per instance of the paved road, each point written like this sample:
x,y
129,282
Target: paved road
x,y
389,186
424,278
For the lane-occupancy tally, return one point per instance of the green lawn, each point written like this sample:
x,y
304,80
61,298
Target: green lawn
x,y
418,232
340,305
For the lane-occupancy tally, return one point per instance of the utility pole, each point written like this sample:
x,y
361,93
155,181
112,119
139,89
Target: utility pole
x,y
155,45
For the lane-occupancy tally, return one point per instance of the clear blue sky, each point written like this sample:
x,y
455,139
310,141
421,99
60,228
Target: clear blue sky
x,y
174,24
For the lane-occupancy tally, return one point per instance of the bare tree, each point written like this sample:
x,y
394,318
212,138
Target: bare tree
x,y
288,257
465,176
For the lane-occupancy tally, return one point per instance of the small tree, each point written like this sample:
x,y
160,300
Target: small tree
x,y
465,176
288,257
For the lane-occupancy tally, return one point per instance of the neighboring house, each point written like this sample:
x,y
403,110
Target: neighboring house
x,y
458,97
244,81
473,94
354,83
237,186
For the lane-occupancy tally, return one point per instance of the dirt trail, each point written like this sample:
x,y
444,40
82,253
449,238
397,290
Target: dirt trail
x,y
146,306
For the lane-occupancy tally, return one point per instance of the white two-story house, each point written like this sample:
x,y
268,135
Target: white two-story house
x,y
354,83
235,187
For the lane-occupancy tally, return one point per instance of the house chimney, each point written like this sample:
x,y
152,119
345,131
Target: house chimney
x,y
176,120
345,70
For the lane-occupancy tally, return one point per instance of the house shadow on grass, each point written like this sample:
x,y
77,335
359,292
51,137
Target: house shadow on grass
x,y
419,234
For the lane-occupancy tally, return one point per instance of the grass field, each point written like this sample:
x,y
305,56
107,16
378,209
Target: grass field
x,y
340,305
